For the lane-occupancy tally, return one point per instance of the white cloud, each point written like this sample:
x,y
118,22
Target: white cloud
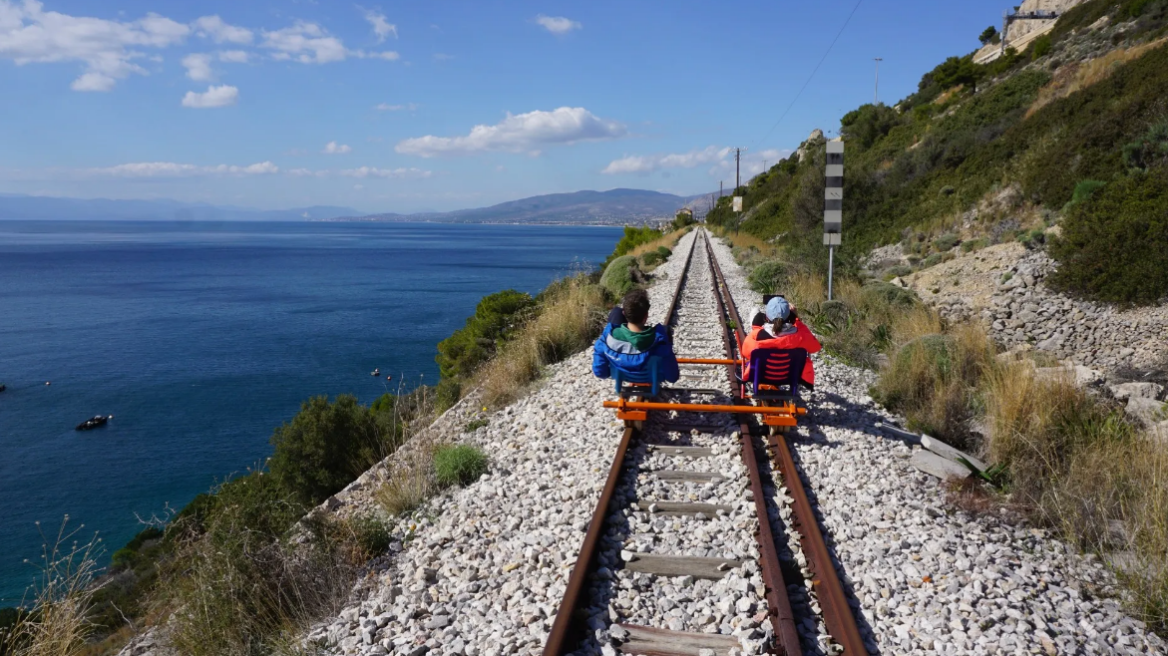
x,y
173,169
198,67
722,158
381,27
220,96
333,148
441,57
650,163
374,172
213,27
520,133
557,24
234,56
29,34
307,43
387,55
386,107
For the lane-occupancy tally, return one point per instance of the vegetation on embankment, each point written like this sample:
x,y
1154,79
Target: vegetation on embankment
x,y
1030,127
1067,458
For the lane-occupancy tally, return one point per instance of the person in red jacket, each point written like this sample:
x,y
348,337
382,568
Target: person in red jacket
x,y
789,333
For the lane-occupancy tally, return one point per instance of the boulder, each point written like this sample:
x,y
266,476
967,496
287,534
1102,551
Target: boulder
x,y
1125,391
1149,411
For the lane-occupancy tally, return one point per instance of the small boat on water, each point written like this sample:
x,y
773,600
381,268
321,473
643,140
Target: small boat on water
x,y
375,372
94,422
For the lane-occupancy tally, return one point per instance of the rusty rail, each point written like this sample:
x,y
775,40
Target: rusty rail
x,y
565,633
837,614
566,628
779,605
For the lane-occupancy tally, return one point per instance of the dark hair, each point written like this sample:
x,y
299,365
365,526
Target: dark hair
x,y
636,307
759,319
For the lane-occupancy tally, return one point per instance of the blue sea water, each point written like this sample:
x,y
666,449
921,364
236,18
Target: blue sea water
x,y
200,338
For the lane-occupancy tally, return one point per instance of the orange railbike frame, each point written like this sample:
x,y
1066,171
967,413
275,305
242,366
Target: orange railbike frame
x,y
706,361
778,415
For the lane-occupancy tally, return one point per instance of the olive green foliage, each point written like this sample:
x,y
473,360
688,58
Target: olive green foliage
x,y
621,276
495,317
474,425
446,393
1114,245
989,35
1151,15
632,238
946,242
770,277
683,220
325,447
1041,47
459,464
868,124
1149,150
1085,189
656,256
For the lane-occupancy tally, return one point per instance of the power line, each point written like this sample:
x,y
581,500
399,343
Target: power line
x,y
812,76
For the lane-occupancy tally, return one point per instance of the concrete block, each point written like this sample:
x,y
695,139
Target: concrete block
x,y
935,465
1148,411
945,451
1125,391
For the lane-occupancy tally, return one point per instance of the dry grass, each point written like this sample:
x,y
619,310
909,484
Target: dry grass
x,y
933,379
566,324
668,240
1080,466
747,241
1078,77
410,485
57,624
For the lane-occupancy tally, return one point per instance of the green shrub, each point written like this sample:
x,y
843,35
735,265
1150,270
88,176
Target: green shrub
x,y
974,245
946,242
886,295
664,251
458,464
770,277
1114,246
621,276
472,426
446,394
652,258
1150,149
865,125
932,260
325,447
495,317
372,535
1085,189
1040,47
899,271
632,238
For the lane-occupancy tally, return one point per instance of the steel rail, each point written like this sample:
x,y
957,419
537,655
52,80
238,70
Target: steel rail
x,y
778,604
566,628
565,632
837,614
743,409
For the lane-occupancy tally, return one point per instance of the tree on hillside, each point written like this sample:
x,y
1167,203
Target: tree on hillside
x,y
870,122
990,35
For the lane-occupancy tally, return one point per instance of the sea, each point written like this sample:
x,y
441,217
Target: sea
x,y
201,338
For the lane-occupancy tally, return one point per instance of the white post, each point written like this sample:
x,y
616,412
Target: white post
x,y
830,266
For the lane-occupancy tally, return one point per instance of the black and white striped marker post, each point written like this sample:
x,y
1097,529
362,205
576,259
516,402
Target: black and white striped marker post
x,y
833,205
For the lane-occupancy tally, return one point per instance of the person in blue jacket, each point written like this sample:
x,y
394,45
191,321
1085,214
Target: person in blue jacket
x,y
629,345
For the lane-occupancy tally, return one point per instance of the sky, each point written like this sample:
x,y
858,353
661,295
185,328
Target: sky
x,y
442,104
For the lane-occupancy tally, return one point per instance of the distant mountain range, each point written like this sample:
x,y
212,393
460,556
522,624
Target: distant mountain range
x,y
57,209
613,207
616,206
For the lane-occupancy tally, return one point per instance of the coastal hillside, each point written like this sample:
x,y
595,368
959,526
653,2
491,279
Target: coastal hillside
x,y
1069,134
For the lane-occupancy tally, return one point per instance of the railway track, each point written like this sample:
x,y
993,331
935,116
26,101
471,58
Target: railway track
x,y
692,549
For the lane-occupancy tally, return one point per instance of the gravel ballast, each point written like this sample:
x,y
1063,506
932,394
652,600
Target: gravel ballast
x,y
480,570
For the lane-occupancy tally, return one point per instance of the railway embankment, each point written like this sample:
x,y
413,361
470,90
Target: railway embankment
x,y
480,570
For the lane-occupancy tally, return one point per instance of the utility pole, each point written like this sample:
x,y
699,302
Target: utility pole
x,y
877,100
719,189
737,179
